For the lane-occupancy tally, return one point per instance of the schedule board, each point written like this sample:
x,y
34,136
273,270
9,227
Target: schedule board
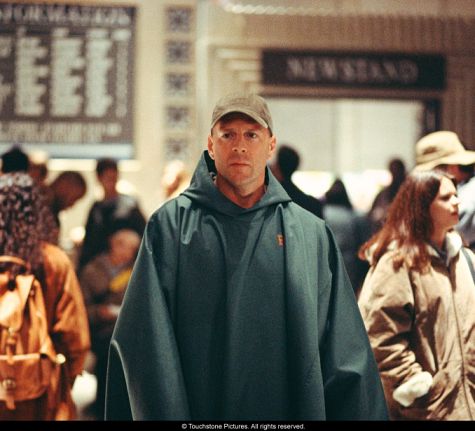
x,y
66,82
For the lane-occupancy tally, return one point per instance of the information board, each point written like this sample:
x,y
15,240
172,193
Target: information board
x,y
66,79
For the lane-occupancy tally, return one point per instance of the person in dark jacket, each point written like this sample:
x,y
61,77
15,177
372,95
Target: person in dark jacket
x,y
239,307
113,212
350,229
286,163
382,201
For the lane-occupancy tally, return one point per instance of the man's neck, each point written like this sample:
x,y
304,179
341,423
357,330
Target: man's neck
x,y
111,195
242,197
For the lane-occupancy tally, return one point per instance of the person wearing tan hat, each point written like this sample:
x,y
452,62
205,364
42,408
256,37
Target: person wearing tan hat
x,y
239,306
443,150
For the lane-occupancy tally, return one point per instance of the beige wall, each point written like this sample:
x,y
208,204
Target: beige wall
x,y
231,47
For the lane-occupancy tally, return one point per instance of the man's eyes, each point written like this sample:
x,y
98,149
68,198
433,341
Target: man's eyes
x,y
251,135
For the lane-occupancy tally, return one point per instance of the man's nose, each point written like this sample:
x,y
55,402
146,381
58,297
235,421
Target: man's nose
x,y
239,145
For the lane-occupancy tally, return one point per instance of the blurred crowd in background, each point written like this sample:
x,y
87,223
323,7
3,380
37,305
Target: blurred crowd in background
x,y
103,258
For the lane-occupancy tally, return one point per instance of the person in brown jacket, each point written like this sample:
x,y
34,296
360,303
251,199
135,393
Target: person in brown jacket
x,y
418,303
24,233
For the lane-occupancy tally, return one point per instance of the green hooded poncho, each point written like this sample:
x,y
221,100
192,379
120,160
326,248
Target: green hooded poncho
x,y
240,314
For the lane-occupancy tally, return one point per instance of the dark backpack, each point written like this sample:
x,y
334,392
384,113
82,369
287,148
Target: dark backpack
x,y
28,360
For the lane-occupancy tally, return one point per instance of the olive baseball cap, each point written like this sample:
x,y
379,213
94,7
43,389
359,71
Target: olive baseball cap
x,y
441,148
252,105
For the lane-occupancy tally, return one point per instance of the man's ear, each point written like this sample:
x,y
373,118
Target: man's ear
x,y
272,145
210,147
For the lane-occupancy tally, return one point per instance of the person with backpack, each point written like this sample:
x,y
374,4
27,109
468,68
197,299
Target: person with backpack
x,y
44,332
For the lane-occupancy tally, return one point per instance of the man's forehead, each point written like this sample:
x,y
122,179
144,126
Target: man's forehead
x,y
233,119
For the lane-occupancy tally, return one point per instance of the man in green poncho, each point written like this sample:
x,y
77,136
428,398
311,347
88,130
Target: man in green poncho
x,y
239,306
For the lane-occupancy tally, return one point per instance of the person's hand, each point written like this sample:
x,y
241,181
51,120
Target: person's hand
x,y
417,386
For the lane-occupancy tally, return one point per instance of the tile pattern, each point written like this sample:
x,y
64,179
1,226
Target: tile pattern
x,y
179,80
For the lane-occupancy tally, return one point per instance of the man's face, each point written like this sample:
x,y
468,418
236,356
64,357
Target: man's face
x,y
241,148
109,179
69,194
123,246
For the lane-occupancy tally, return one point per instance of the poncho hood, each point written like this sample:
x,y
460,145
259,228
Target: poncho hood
x,y
203,191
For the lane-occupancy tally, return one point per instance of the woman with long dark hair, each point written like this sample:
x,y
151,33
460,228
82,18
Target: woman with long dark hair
x,y
418,303
25,232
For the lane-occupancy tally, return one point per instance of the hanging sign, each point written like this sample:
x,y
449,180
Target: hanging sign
x,y
324,69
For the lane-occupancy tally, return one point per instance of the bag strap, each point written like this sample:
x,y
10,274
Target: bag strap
x,y
16,260
470,263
